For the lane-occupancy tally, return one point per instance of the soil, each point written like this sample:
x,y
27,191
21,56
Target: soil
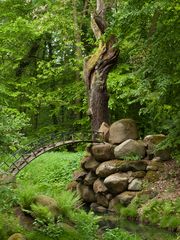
x,y
168,185
24,219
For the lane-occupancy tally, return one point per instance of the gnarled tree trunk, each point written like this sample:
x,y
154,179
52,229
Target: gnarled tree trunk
x,y
96,69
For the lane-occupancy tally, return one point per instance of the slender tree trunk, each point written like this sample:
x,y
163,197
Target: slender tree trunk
x,y
96,69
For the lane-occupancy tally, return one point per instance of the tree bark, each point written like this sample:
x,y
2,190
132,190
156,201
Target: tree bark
x,y
97,67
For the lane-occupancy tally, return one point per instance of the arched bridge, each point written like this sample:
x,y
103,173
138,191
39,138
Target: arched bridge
x,y
25,155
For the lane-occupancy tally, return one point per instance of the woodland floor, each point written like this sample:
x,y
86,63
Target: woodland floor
x,y
168,186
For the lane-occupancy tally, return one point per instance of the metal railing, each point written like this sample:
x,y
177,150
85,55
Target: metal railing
x,y
23,156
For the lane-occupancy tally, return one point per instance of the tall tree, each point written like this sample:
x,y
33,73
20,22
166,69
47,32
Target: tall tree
x,y
97,67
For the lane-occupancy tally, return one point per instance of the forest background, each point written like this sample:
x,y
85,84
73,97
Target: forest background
x,y
43,48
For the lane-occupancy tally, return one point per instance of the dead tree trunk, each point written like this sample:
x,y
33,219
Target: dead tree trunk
x,y
96,69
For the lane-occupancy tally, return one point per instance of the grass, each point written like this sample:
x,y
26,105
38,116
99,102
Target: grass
x,y
51,169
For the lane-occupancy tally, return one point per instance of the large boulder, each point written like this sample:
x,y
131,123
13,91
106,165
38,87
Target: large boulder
x,y
113,166
104,131
99,186
103,152
151,142
116,183
17,236
130,148
48,202
108,167
135,185
89,163
86,193
133,166
122,130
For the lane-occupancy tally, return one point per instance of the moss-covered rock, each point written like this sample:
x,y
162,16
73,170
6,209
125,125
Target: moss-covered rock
x,y
138,174
17,236
113,166
48,202
152,176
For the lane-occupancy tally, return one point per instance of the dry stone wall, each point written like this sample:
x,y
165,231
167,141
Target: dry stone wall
x,y
115,171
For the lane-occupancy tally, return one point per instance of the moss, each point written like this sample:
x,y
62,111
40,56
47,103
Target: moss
x,y
92,61
138,174
152,176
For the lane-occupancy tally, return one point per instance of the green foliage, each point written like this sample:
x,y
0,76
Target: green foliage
x,y
41,213
129,212
119,234
31,235
7,198
145,84
165,213
8,226
86,225
26,194
68,203
52,170
11,124
48,229
132,156
39,63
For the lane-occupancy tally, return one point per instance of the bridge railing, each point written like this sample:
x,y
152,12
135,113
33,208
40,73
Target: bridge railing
x,y
49,139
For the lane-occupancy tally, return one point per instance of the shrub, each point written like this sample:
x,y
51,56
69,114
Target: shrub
x,y
86,225
26,194
42,213
68,202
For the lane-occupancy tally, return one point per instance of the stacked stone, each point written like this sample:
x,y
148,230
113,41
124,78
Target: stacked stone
x,y
113,171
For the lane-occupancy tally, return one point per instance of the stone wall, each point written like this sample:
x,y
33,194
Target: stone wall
x,y
115,171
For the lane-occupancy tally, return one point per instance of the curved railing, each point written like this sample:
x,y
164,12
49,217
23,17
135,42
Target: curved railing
x,y
22,157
